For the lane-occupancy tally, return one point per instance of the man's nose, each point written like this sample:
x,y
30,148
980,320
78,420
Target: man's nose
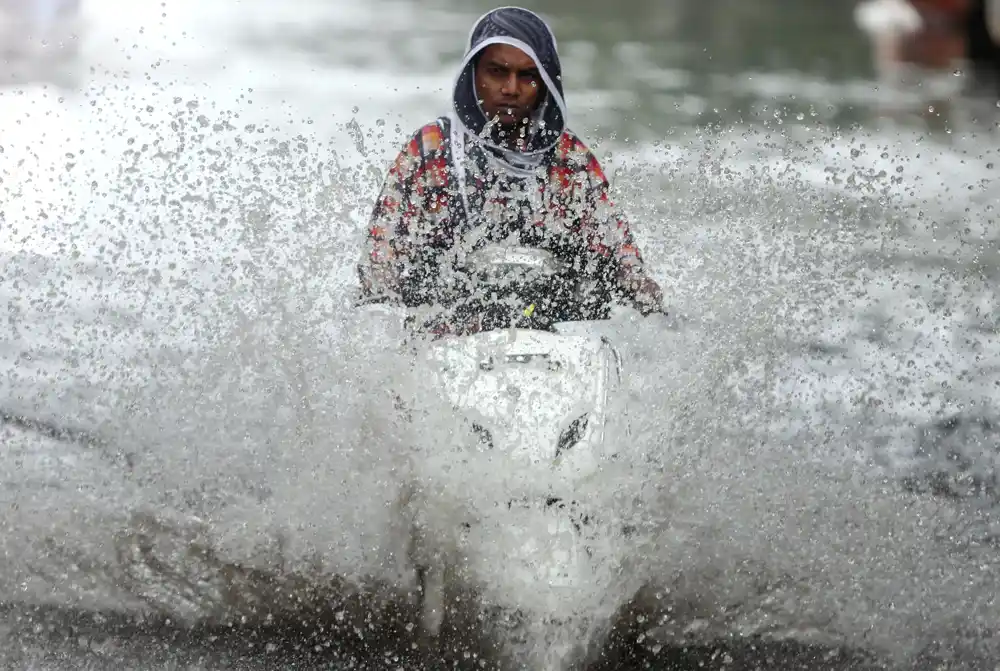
x,y
509,87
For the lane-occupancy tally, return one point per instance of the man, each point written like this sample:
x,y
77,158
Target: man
x,y
982,28
501,166
935,36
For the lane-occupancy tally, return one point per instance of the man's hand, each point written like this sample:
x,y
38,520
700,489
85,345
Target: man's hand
x,y
646,295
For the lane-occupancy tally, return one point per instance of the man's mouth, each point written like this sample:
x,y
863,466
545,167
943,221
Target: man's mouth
x,y
511,112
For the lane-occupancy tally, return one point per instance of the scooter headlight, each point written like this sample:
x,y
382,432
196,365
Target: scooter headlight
x,y
483,435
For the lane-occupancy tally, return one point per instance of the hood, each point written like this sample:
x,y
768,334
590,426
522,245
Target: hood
x,y
525,30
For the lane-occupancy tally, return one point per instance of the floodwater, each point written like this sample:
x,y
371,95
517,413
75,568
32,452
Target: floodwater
x,y
196,470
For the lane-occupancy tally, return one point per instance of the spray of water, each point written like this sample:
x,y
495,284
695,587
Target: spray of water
x,y
235,453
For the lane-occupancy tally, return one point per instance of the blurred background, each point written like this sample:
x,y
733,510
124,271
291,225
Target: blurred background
x,y
635,67
183,189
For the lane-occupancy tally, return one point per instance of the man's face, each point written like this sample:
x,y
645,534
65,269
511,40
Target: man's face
x,y
507,83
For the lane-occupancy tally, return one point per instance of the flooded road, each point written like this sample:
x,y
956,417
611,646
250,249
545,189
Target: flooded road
x,y
196,474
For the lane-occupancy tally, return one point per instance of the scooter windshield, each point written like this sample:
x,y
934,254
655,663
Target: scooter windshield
x,y
516,287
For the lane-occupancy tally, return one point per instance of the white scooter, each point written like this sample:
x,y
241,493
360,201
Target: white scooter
x,y
511,493
504,500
